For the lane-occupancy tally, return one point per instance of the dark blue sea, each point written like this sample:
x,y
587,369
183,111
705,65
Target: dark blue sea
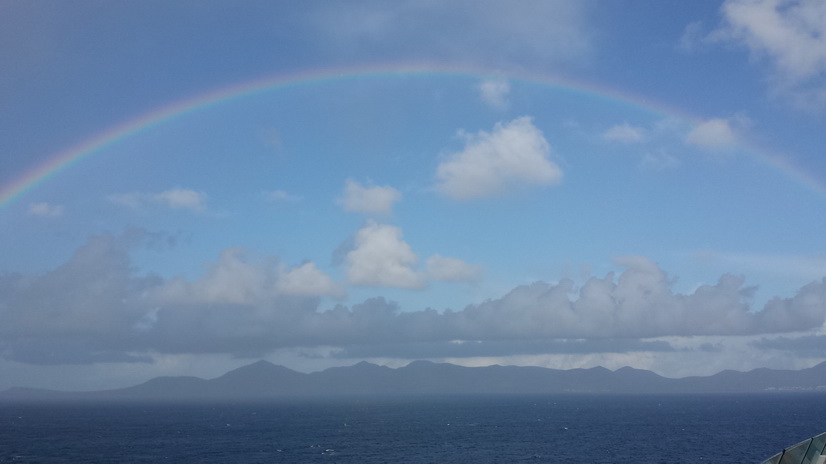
x,y
500,429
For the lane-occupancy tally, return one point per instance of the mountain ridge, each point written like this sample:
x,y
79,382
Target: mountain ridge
x,y
263,380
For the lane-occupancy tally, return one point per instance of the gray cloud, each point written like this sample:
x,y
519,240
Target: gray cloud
x,y
97,308
487,348
811,346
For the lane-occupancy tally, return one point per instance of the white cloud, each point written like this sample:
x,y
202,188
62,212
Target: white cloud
x,y
495,92
307,280
46,210
513,155
281,195
368,200
624,133
444,268
173,198
380,258
789,34
713,133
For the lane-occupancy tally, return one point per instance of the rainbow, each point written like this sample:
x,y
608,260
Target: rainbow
x,y
61,161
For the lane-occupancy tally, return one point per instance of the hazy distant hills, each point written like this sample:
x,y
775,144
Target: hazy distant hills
x,y
266,381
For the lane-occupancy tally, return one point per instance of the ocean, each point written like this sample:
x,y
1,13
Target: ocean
x,y
477,429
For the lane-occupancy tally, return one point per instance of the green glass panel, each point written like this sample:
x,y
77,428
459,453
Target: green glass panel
x,y
796,453
815,449
774,459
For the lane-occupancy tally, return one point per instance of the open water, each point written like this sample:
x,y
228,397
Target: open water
x,y
500,429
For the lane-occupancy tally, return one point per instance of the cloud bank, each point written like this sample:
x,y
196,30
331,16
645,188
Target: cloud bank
x,y
95,308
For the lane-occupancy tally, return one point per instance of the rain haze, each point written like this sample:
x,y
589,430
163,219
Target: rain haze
x,y
188,187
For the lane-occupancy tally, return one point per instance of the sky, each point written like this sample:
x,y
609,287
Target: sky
x,y
188,187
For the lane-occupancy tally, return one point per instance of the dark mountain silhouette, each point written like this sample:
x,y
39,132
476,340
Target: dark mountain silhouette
x,y
266,381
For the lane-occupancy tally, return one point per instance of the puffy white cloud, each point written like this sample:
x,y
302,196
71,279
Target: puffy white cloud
x,y
514,154
307,280
380,258
495,92
368,200
173,198
789,34
713,133
46,210
445,268
624,133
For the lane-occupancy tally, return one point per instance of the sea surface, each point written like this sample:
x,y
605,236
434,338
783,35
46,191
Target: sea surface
x,y
478,429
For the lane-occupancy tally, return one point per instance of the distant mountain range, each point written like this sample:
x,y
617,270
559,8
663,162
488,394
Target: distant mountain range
x,y
266,381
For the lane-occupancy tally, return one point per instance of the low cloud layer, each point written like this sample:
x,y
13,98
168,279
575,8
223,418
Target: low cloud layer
x,y
95,308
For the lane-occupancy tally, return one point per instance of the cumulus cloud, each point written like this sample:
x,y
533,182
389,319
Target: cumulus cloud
x,y
231,279
380,258
368,200
495,92
788,34
97,308
46,210
307,280
513,155
625,133
713,133
173,198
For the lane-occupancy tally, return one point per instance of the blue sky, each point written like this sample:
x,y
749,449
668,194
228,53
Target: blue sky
x,y
561,184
